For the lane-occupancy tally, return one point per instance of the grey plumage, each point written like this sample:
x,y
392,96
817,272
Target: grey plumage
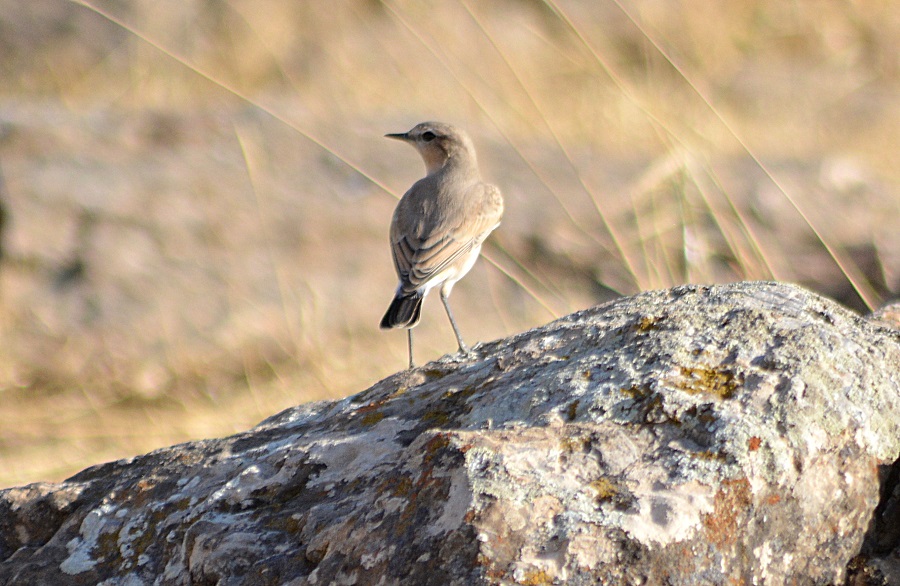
x,y
440,223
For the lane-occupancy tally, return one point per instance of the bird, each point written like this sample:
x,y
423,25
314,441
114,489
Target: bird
x,y
439,224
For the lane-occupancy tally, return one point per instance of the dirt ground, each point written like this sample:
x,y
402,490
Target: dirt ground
x,y
196,195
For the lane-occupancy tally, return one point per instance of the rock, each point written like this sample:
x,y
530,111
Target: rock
x,y
878,563
700,435
887,315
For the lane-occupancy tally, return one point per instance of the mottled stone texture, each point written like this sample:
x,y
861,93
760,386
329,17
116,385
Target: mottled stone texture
x,y
739,434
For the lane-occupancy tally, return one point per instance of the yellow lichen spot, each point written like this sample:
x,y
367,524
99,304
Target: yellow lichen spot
x,y
719,382
571,445
605,489
636,392
717,456
400,390
647,323
536,578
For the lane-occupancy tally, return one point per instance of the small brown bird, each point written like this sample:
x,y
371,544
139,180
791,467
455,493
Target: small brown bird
x,y
439,224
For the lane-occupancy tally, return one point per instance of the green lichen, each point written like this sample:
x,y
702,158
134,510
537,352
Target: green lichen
x,y
605,489
437,417
572,410
147,537
108,544
286,523
463,393
400,486
434,446
372,418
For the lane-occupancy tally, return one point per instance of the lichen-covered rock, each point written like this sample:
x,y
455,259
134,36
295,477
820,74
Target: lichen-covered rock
x,y
701,435
878,563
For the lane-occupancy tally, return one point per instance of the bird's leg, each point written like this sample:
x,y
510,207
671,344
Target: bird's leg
x,y
409,339
462,345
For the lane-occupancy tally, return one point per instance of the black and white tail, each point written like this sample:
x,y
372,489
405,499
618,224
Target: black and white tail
x,y
404,312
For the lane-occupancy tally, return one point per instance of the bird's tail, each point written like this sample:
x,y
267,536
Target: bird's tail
x,y
404,312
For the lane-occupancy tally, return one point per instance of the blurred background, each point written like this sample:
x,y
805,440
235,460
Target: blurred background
x,y
196,194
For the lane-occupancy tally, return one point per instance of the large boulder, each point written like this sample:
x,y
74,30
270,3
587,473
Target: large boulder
x,y
738,434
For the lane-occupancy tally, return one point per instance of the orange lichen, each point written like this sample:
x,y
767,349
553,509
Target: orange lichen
x,y
730,505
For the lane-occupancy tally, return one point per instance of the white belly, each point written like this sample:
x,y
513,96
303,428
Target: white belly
x,y
452,274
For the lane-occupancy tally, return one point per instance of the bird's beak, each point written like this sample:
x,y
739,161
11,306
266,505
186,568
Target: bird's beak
x,y
400,136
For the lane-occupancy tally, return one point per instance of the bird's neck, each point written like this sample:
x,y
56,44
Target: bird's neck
x,y
458,163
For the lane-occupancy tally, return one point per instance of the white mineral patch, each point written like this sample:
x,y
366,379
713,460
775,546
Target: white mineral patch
x,y
80,548
455,508
668,513
239,488
357,453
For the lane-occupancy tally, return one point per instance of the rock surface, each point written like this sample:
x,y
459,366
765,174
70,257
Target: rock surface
x,y
702,435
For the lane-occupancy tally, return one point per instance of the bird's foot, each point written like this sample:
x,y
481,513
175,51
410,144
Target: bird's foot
x,y
462,355
465,354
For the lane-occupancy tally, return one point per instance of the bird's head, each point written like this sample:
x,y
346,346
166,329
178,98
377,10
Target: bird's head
x,y
439,143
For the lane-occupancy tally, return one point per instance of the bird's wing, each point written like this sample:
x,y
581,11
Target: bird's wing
x,y
424,253
417,265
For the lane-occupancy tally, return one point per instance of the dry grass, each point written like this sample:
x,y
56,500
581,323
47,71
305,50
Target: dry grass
x,y
198,195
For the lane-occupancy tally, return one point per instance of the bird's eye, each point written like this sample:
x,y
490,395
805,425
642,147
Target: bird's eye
x,y
428,136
